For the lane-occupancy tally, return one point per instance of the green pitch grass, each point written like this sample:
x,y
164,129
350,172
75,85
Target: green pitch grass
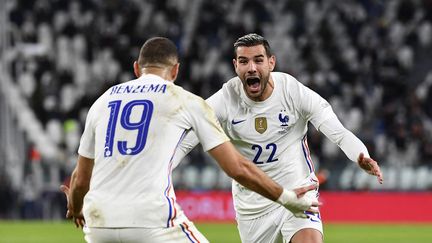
x,y
65,232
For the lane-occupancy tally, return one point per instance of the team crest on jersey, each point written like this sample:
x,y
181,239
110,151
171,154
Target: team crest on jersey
x,y
261,124
283,118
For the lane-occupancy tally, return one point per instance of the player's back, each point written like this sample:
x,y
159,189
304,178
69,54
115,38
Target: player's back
x,y
137,126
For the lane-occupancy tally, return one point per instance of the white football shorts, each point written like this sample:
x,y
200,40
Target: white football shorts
x,y
183,233
278,226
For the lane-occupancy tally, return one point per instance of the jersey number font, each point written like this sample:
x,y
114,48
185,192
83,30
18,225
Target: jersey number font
x,y
141,126
270,146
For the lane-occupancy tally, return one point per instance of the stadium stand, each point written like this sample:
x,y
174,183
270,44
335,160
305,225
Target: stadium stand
x,y
370,59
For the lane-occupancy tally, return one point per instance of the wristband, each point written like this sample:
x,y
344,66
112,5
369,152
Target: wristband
x,y
286,196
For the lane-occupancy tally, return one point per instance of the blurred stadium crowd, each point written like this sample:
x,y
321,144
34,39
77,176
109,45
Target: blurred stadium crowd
x,y
370,59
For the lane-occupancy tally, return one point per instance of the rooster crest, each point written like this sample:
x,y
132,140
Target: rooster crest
x,y
283,119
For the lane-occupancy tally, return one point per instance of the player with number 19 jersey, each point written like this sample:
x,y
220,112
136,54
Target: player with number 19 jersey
x,y
133,131
271,133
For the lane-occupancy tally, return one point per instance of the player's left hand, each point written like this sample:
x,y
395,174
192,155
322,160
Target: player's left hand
x,y
77,218
370,166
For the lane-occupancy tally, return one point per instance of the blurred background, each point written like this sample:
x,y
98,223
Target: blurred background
x,y
371,59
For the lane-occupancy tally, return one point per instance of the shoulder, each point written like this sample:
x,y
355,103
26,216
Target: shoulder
x,y
183,94
232,88
232,85
285,79
187,99
289,84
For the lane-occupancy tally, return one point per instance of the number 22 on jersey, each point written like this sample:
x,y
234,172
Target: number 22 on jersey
x,y
271,147
141,126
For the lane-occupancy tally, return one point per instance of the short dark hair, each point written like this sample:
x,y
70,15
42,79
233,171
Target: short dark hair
x,y
252,40
159,52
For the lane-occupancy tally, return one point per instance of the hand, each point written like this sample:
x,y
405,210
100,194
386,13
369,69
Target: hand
x,y
370,166
77,218
298,201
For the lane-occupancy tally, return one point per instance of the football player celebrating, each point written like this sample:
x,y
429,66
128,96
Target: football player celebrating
x,y
266,115
121,188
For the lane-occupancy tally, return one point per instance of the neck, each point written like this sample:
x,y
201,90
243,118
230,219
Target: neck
x,y
159,71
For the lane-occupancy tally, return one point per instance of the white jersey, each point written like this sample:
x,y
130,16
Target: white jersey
x,y
133,131
272,134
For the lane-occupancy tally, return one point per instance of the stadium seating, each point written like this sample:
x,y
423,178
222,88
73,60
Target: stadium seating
x,y
370,59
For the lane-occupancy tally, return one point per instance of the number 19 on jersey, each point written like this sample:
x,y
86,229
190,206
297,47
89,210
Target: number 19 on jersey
x,y
141,126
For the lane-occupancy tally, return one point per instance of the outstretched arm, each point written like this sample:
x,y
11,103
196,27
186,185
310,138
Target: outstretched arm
x,y
317,110
352,146
245,172
249,175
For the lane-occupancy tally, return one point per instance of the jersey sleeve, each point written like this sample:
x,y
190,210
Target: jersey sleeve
x,y
352,146
217,102
205,125
318,111
191,140
312,106
186,145
87,142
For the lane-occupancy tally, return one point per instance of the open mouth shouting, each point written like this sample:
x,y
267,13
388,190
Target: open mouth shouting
x,y
253,84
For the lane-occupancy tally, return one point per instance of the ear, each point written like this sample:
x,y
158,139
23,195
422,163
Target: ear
x,y
137,70
174,71
235,63
272,62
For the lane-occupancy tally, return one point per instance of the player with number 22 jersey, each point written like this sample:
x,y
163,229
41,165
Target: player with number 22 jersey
x,y
271,133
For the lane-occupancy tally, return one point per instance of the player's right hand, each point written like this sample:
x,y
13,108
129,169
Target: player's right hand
x,y
78,219
298,201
